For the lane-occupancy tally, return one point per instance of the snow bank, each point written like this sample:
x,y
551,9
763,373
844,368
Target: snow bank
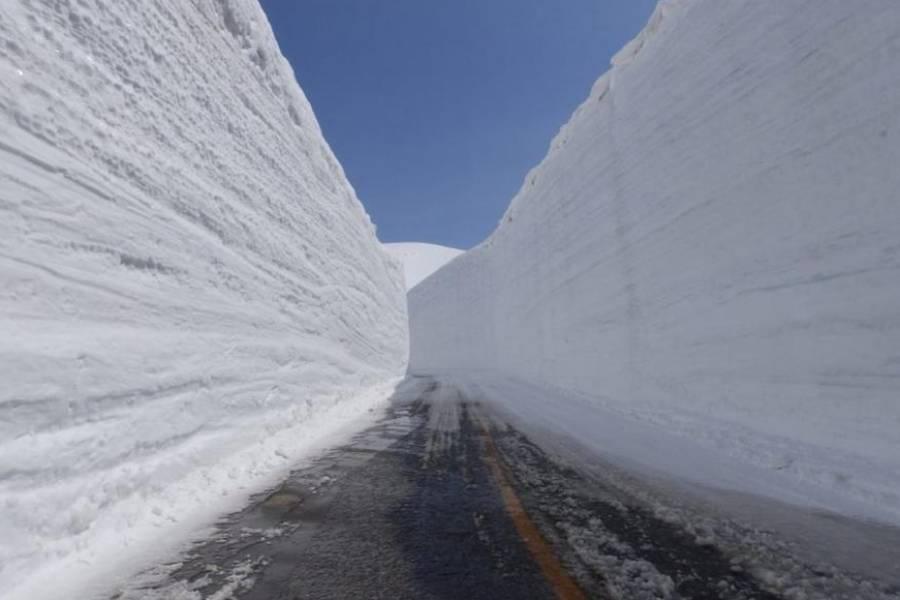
x,y
186,273
420,260
712,244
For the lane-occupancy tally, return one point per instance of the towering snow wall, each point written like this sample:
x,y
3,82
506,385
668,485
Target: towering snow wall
x,y
184,269
716,231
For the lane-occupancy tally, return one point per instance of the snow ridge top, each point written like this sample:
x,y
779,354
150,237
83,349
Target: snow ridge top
x,y
663,19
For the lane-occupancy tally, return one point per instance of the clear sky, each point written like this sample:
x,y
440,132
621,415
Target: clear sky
x,y
438,108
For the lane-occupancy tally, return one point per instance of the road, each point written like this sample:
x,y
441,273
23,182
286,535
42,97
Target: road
x,y
444,499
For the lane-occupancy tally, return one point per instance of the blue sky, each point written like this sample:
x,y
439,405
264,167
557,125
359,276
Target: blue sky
x,y
438,108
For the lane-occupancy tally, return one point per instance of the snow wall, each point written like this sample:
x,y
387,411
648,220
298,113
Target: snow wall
x,y
185,271
420,260
716,232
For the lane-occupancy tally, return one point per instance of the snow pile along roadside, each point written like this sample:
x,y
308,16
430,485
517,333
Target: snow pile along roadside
x,y
712,245
420,260
186,274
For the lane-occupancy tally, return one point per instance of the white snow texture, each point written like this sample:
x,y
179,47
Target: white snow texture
x,y
185,271
712,244
420,260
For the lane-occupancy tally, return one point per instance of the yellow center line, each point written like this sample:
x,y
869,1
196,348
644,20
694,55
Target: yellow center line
x,y
554,572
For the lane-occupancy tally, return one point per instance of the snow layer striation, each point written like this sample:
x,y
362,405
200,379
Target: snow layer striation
x,y
712,245
420,260
186,276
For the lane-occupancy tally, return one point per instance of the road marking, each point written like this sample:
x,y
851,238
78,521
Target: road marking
x,y
554,572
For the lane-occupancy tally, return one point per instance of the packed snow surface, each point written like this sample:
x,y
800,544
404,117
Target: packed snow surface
x,y
421,260
191,291
711,247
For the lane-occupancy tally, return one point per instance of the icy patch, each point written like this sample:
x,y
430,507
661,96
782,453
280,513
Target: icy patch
x,y
265,534
215,585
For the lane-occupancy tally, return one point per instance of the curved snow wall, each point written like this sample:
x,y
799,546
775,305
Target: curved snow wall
x,y
184,268
715,231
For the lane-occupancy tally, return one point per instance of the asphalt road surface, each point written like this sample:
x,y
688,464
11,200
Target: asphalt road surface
x,y
445,500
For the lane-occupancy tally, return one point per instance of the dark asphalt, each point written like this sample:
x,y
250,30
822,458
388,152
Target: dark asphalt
x,y
443,500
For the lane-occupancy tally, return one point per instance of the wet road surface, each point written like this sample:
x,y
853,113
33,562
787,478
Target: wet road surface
x,y
444,500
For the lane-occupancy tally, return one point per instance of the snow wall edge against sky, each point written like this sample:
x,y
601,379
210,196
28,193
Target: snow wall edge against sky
x,y
186,274
712,242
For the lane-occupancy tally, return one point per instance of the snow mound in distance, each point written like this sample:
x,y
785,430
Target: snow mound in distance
x,y
712,245
420,260
188,279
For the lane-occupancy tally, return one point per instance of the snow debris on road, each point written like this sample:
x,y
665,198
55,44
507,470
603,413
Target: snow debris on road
x,y
710,251
226,586
794,550
192,295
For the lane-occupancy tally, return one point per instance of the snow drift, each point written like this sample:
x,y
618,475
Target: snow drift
x,y
420,260
186,272
712,244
